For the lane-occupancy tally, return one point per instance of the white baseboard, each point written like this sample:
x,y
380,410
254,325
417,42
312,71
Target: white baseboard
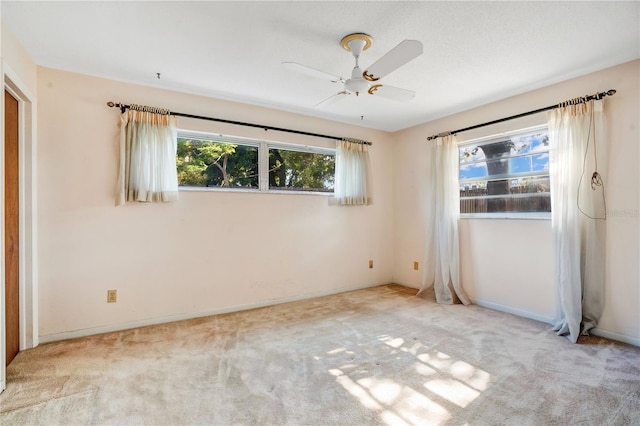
x,y
236,308
514,311
180,317
635,341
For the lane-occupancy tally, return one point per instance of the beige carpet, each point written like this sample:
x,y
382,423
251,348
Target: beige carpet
x,y
375,356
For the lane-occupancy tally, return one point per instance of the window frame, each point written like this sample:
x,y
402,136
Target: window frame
x,y
263,146
505,215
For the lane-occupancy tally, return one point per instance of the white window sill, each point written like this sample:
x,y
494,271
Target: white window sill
x,y
510,216
250,191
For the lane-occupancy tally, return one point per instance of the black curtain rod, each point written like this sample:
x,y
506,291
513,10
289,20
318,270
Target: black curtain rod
x,y
573,101
124,107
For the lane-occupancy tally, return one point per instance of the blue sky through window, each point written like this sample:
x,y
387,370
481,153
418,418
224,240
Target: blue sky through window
x,y
529,153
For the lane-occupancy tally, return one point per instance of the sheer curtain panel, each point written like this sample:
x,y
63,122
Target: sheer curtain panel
x,y
442,254
148,143
577,170
353,170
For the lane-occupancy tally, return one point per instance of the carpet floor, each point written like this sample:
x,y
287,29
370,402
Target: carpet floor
x,y
367,357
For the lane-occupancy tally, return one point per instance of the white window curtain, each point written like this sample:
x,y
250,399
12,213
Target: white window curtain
x,y
577,149
148,144
442,254
353,173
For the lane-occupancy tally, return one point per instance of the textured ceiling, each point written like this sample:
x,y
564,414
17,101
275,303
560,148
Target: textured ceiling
x,y
474,52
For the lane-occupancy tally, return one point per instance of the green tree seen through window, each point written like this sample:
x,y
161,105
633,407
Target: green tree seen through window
x,y
211,163
301,170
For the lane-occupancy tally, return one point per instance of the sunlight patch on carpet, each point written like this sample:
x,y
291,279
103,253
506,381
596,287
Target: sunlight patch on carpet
x,y
453,391
459,370
450,384
396,404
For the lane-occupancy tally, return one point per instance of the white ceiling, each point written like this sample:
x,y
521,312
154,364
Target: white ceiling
x,y
474,52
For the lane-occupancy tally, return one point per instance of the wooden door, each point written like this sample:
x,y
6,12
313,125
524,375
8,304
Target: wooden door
x,y
11,227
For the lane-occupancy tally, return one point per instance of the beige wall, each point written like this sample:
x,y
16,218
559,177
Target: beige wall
x,y
209,251
508,264
16,58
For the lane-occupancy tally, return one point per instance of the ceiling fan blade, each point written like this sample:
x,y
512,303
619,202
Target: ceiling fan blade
x,y
331,99
393,59
391,92
312,72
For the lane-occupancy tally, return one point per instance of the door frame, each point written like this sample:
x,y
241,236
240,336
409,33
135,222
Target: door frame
x,y
27,181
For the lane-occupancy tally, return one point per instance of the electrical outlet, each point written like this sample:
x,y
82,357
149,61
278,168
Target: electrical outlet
x,y
416,265
371,264
112,296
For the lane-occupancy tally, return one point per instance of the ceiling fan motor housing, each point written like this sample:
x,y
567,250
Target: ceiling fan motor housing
x,y
356,83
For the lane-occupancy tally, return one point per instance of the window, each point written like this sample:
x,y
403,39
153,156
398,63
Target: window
x,y
217,161
211,163
301,171
506,174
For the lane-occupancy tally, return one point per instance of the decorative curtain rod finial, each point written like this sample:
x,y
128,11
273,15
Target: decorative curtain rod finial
x,y
123,107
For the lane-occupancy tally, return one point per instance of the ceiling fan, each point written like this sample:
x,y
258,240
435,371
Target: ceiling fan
x,y
367,81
